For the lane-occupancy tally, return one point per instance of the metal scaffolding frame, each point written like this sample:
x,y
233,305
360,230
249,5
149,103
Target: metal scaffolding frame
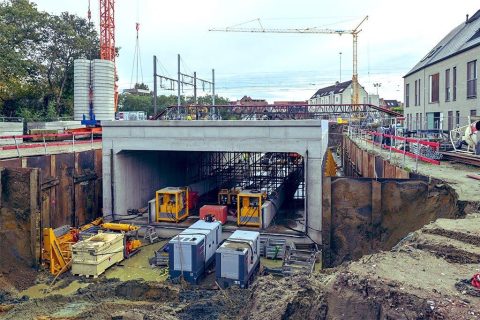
x,y
252,170
366,112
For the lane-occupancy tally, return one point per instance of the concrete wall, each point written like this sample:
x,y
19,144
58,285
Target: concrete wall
x,y
10,129
129,178
461,104
55,125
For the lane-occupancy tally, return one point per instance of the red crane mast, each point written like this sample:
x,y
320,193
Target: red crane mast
x,y
107,36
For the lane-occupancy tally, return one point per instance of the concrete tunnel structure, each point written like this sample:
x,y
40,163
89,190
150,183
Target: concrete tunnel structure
x,y
140,157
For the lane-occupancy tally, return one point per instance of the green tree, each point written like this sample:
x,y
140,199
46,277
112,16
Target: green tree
x,y
36,59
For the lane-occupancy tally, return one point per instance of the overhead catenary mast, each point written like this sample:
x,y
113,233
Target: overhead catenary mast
x,y
354,32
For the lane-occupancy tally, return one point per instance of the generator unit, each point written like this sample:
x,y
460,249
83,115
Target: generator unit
x,y
238,259
193,250
171,204
249,208
228,197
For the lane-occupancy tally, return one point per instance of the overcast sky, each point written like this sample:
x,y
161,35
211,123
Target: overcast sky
x,y
277,66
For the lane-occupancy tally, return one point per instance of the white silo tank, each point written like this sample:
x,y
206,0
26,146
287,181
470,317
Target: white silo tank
x,y
103,81
81,82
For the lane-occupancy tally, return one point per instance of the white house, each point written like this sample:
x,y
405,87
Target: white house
x,y
339,93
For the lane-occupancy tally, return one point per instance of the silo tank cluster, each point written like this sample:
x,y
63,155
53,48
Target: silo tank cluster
x,y
101,75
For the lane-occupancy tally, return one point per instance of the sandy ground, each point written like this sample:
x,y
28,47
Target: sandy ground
x,y
455,174
4,154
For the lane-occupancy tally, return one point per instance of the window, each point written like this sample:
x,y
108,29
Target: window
x,y
447,85
473,113
421,122
407,95
450,120
457,119
416,93
472,79
454,85
434,87
416,121
419,92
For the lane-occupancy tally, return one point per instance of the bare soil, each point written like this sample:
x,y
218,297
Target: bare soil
x,y
426,276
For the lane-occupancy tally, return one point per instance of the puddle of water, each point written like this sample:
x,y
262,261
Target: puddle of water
x,y
71,309
40,290
138,267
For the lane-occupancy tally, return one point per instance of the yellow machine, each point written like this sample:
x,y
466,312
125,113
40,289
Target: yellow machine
x,y
57,243
228,197
249,208
171,204
57,246
131,242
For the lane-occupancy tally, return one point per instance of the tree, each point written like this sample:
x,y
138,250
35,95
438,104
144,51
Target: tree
x,y
36,58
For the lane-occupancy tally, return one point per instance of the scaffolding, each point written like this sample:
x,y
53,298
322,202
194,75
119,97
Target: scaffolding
x,y
252,170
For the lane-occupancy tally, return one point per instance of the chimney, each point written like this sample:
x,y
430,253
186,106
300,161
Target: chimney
x,y
466,20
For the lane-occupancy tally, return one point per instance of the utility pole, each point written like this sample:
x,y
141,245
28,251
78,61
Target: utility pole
x,y
340,53
154,85
179,84
182,79
195,87
213,91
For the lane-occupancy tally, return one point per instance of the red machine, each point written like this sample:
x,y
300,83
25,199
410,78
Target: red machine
x,y
219,213
107,35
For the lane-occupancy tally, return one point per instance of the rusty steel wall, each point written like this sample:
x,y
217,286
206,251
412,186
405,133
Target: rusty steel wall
x,y
364,215
70,186
360,163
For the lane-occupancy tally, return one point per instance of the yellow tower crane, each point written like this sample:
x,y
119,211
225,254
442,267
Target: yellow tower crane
x,y
314,30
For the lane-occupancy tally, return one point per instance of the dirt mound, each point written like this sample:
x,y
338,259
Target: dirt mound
x,y
460,236
450,253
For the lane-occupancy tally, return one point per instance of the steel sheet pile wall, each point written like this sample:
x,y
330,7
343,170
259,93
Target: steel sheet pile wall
x,y
360,163
46,191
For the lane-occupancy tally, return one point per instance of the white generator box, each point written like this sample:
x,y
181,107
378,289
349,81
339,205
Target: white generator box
x,y
193,250
238,258
91,257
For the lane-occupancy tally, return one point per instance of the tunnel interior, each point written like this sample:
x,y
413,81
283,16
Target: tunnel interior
x,y
280,176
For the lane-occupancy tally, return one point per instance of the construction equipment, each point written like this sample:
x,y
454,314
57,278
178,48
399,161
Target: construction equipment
x,y
171,204
193,250
228,197
218,213
57,243
57,246
299,260
131,242
354,32
238,259
249,207
107,51
467,135
91,257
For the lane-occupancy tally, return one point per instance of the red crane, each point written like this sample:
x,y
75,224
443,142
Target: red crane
x,y
107,35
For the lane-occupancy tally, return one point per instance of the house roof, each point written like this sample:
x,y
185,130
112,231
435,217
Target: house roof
x,y
339,87
462,38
